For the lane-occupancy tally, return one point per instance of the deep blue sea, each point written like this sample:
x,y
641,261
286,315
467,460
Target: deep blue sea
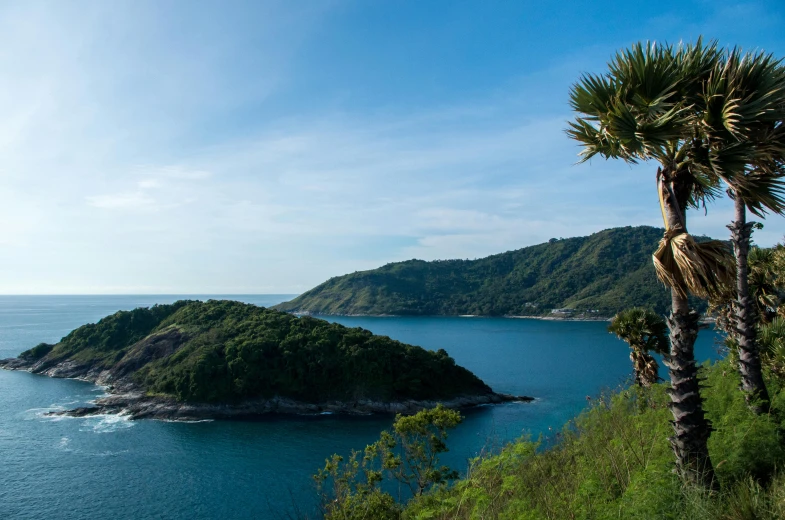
x,y
108,467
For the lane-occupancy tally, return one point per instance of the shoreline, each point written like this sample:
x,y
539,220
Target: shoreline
x,y
138,406
482,316
703,320
126,399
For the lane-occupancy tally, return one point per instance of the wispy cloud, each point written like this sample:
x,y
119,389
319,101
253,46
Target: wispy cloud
x,y
134,200
168,157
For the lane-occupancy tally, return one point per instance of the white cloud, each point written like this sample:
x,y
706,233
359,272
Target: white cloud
x,y
110,161
132,201
148,184
172,172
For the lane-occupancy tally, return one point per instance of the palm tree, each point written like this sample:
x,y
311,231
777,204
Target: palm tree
x,y
641,110
765,291
644,331
743,110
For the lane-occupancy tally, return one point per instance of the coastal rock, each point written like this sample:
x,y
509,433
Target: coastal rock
x,y
139,406
125,399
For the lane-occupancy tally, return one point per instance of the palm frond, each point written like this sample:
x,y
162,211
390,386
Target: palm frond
x,y
592,94
729,161
642,328
595,142
703,188
760,192
685,265
635,110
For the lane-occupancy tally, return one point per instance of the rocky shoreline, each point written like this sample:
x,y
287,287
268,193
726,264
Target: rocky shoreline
x,y
705,320
506,316
128,400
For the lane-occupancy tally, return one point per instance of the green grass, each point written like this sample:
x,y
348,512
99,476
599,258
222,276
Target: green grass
x,y
614,461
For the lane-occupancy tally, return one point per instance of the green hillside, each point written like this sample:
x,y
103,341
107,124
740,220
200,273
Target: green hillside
x,y
605,272
227,351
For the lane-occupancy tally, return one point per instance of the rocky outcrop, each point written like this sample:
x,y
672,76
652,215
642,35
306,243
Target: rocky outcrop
x,y
119,376
127,399
139,406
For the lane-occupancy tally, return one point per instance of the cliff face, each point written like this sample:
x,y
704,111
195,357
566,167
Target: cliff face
x,y
222,359
597,275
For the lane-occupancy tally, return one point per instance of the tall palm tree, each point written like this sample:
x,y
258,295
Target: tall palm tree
x,y
743,110
644,331
765,290
641,110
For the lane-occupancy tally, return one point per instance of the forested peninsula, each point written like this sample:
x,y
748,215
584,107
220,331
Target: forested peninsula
x,y
593,276
224,359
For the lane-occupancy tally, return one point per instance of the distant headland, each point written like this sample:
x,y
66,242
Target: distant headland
x,y
584,278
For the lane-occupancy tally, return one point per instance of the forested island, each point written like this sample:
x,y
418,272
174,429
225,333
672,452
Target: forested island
x,y
594,276
222,359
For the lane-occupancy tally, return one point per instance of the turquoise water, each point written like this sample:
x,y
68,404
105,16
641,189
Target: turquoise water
x,y
108,467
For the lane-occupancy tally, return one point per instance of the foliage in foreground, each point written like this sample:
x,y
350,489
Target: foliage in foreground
x,y
613,461
408,455
226,351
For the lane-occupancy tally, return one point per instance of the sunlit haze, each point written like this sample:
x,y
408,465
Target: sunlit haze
x,y
263,147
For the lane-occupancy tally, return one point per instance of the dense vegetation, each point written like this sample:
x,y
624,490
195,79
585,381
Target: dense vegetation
x,y
407,455
227,351
613,461
605,272
712,119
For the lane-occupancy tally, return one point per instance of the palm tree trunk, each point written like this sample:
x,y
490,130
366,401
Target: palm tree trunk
x,y
690,427
649,369
752,383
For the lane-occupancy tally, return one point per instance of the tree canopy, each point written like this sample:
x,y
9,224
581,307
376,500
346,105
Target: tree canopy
x,y
222,351
605,272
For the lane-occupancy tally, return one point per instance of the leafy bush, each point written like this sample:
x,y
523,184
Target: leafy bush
x,y
37,352
409,455
614,461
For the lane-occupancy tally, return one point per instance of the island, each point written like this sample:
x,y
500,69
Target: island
x,y
591,277
221,359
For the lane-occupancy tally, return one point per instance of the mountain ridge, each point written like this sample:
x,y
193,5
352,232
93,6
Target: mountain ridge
x,y
592,276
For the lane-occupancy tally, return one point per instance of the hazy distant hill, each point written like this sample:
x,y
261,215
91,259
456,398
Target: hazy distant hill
x,y
604,272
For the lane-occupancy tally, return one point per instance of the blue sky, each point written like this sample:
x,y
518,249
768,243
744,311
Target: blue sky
x,y
262,147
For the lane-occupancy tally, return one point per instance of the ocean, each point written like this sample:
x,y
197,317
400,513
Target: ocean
x,y
109,467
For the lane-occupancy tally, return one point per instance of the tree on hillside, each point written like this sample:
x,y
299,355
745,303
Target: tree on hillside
x,y
741,127
642,110
409,454
645,331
